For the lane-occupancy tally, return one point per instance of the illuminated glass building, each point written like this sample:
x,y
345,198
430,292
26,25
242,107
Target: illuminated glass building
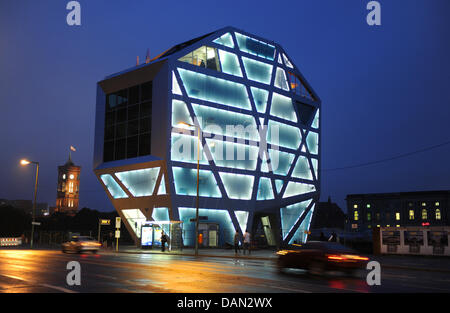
x,y
259,152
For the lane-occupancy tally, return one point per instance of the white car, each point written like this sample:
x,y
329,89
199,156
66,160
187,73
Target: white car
x,y
79,244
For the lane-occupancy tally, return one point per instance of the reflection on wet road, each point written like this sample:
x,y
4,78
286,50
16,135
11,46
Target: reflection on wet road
x,y
45,271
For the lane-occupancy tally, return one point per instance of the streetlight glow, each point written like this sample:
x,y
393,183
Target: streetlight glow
x,y
24,162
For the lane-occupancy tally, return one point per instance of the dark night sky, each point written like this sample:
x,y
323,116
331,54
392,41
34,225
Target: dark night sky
x,y
384,90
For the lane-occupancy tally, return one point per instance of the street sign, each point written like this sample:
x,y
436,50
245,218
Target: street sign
x,y
200,218
105,222
117,233
117,222
36,223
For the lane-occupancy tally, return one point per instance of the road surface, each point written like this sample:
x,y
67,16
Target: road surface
x,y
43,271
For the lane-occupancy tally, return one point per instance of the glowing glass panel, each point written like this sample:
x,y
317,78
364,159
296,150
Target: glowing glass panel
x,y
265,191
290,215
184,149
258,71
226,123
282,107
180,113
255,47
301,169
315,164
296,189
237,186
281,80
264,164
140,183
185,180
233,155
113,187
279,59
161,214
300,236
208,88
260,97
175,87
283,135
225,40
315,123
222,217
281,161
135,219
286,60
230,63
312,139
242,217
162,186
279,184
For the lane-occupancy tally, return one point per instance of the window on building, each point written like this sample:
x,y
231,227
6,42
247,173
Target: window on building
x,y
397,216
355,206
438,214
378,216
298,86
424,204
411,215
368,206
204,56
128,123
71,187
369,216
356,215
436,204
388,216
424,214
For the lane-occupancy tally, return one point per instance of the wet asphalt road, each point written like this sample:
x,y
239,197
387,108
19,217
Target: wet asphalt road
x,y
43,271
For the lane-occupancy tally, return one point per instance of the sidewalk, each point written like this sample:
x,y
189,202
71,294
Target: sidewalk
x,y
212,253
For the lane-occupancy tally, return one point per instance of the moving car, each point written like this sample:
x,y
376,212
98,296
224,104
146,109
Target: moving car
x,y
79,244
320,256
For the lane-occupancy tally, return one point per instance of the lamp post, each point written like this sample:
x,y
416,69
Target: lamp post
x,y
198,180
25,162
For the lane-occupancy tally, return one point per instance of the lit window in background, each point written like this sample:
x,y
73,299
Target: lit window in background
x,y
411,214
356,215
424,214
438,214
397,216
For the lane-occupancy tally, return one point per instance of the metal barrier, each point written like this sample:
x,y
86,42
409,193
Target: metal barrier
x,y
10,242
412,240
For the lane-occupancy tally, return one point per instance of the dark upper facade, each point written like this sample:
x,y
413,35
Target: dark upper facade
x,y
422,208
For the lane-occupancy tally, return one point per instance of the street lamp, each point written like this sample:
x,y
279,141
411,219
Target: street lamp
x,y
198,179
25,162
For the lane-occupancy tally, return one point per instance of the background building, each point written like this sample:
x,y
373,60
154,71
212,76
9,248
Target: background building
x,y
67,196
263,179
402,209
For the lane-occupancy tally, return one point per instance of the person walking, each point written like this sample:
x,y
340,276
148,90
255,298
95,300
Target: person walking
x,y
236,243
247,242
163,241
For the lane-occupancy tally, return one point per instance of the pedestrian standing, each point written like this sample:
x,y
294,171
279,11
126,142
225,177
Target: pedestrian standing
x,y
247,239
163,241
236,242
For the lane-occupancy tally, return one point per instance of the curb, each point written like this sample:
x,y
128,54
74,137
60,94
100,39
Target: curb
x,y
205,255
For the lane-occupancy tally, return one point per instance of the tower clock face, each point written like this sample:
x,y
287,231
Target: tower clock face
x,y
71,176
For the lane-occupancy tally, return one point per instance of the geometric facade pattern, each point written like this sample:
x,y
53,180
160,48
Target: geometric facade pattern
x,y
239,104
